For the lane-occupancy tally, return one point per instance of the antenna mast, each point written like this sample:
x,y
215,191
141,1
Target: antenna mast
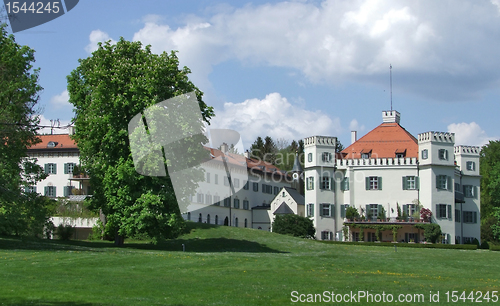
x,y
390,78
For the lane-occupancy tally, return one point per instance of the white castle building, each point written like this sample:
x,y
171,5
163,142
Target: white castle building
x,y
387,168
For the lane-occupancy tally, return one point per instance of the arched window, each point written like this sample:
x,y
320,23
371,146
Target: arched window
x,y
189,216
216,219
208,218
199,218
236,222
246,222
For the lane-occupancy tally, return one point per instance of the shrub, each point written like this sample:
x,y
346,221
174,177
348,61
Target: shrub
x,y
432,231
485,245
294,225
96,234
351,213
64,232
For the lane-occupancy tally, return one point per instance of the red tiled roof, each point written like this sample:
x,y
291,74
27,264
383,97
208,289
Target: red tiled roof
x,y
61,140
240,160
384,141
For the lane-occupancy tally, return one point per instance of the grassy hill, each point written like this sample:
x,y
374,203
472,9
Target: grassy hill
x,y
232,266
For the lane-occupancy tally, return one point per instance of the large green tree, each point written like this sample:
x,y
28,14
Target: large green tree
x,y
21,212
490,190
107,90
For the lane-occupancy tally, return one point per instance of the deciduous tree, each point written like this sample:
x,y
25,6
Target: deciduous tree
x,y
107,90
21,212
490,188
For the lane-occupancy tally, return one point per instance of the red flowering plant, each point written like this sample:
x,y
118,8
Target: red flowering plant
x,y
425,214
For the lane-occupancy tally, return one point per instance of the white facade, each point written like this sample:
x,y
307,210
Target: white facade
x,y
255,185
58,155
370,179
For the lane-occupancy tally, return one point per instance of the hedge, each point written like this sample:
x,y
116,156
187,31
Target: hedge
x,y
410,245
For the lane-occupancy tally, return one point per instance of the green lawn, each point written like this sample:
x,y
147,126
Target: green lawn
x,y
231,266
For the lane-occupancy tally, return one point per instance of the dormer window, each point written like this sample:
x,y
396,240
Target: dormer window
x,y
366,153
51,144
400,153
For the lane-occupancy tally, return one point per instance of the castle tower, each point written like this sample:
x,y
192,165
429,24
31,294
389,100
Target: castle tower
x,y
320,184
437,177
467,186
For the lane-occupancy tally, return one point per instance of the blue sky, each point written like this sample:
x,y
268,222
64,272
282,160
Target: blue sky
x,y
301,68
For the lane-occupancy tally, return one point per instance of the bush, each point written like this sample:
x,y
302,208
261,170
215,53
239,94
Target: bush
x,y
351,213
294,225
96,234
485,245
64,232
494,247
432,231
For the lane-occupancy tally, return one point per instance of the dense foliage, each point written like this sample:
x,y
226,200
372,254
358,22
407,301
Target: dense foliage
x,y
294,225
490,191
107,90
21,212
432,231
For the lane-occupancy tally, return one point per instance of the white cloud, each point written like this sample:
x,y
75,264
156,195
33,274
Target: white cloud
x,y
274,116
469,134
60,100
354,126
95,37
47,122
348,40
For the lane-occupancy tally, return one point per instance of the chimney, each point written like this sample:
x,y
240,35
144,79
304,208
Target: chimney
x,y
246,154
224,148
354,136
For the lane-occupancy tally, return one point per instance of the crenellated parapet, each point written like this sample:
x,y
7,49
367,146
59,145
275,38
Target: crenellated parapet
x,y
443,137
380,162
320,141
472,150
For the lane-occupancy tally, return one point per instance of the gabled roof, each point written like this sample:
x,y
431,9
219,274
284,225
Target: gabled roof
x,y
297,197
60,141
283,210
384,141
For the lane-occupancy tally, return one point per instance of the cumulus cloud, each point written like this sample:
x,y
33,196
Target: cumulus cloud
x,y
276,117
354,126
441,50
469,134
57,126
95,37
61,100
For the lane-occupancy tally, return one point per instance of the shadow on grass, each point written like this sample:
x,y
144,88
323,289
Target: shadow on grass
x,y
36,302
190,245
23,302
